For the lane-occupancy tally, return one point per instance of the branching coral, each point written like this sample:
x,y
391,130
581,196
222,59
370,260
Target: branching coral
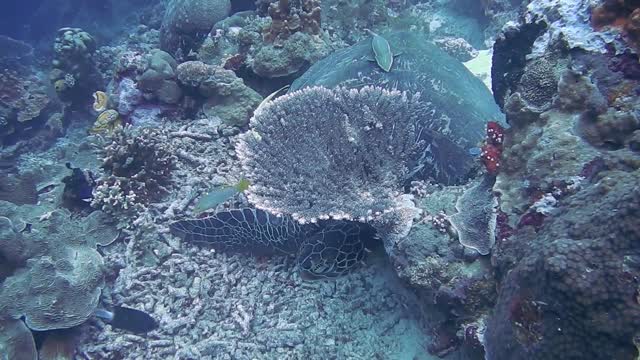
x,y
137,163
349,162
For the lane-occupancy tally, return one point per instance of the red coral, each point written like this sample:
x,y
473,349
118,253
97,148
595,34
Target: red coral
x,y
532,218
492,149
495,134
235,62
503,229
491,158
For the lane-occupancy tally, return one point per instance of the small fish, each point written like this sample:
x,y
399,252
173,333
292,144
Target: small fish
x,y
382,51
218,195
129,319
475,151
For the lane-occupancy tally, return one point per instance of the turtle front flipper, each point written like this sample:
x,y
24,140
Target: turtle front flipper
x,y
247,230
334,248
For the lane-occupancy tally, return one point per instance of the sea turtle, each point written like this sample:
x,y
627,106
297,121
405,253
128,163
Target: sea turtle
x,y
325,249
457,97
328,247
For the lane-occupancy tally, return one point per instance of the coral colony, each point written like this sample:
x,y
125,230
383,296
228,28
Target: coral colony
x,y
320,179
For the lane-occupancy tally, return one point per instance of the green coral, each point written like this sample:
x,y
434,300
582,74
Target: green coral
x,y
226,94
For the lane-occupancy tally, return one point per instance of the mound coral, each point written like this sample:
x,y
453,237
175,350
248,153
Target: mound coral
x,y
158,79
226,94
23,97
566,260
186,21
74,72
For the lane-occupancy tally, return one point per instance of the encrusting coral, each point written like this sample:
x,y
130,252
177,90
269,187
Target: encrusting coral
x,y
56,274
566,250
23,97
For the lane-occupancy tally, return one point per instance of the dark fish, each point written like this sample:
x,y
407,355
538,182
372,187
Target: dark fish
x,y
128,319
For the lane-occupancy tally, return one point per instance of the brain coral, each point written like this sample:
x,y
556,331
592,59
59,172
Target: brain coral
x,y
184,20
350,161
57,274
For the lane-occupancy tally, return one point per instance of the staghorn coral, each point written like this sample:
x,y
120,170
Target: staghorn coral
x,y
137,163
350,162
226,94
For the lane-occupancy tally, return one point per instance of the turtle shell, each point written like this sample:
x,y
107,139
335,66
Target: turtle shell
x,y
459,98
